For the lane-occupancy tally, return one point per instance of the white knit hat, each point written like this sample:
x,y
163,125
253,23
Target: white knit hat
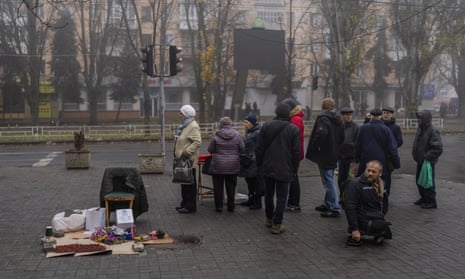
x,y
187,111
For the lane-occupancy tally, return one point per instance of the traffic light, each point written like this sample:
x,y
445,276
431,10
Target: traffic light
x,y
315,82
147,60
175,68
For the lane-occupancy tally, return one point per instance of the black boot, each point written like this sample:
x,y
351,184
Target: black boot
x,y
248,202
257,202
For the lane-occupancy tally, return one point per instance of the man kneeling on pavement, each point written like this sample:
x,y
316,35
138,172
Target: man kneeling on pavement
x,y
363,204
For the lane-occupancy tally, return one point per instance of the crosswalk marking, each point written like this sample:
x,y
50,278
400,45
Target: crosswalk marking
x,y
45,161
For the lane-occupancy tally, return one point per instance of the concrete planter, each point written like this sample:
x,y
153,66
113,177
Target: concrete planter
x,y
151,162
77,159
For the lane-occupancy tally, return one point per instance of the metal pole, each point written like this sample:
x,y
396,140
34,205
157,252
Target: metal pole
x,y
162,115
162,73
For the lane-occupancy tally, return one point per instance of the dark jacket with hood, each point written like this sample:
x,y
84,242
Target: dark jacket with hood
x,y
396,131
250,140
325,140
427,144
226,145
278,150
361,203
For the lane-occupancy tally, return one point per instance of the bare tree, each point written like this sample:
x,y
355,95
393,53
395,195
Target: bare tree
x,y
419,26
23,44
348,22
210,50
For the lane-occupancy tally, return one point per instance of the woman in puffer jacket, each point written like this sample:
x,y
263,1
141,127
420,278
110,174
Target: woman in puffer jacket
x,y
226,145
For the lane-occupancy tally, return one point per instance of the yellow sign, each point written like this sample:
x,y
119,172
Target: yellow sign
x,y
46,87
45,106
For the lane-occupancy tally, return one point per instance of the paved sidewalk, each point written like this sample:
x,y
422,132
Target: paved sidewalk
x,y
426,244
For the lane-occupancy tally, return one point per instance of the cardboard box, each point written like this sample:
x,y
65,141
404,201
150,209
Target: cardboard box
x,y
124,218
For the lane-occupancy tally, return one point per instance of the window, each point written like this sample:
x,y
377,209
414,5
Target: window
x,y
146,14
272,17
102,100
146,39
315,19
187,12
116,15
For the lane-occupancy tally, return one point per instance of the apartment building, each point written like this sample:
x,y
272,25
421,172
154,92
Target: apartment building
x,y
307,34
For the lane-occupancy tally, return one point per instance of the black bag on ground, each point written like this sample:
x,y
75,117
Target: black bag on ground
x,y
182,171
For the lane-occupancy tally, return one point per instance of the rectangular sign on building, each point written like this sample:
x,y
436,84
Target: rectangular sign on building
x,y
259,49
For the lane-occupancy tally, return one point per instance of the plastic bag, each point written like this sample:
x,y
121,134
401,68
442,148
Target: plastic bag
x,y
425,179
71,223
95,218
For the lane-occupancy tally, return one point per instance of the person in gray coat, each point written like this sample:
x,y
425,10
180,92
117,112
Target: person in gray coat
x,y
226,145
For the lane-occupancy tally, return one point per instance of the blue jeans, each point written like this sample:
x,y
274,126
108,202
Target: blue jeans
x,y
273,212
331,197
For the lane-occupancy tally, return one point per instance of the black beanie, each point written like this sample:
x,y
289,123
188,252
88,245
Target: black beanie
x,y
282,111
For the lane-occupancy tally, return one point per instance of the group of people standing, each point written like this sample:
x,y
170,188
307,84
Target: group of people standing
x,y
269,154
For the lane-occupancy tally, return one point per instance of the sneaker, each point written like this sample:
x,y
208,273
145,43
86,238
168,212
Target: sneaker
x,y
429,205
352,242
321,208
277,229
419,201
294,208
329,213
269,223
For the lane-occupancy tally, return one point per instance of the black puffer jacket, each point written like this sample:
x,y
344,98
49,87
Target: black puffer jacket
x,y
325,140
427,144
361,203
278,150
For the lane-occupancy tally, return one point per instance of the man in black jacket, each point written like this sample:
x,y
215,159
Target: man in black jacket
x,y
426,146
347,150
363,204
278,156
323,149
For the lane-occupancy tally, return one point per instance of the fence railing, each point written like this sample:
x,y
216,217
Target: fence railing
x,y
139,131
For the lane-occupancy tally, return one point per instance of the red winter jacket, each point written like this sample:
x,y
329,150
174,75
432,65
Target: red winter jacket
x,y
297,120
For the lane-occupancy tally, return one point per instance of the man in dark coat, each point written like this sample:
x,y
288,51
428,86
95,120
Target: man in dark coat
x,y
426,146
323,149
279,167
347,150
376,142
390,122
363,204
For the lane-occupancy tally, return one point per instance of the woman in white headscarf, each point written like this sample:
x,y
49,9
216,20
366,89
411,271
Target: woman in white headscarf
x,y
187,143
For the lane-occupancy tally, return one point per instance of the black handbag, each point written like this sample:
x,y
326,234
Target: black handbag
x,y
245,160
207,164
182,171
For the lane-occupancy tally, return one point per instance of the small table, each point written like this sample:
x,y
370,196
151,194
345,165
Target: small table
x,y
203,191
116,197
